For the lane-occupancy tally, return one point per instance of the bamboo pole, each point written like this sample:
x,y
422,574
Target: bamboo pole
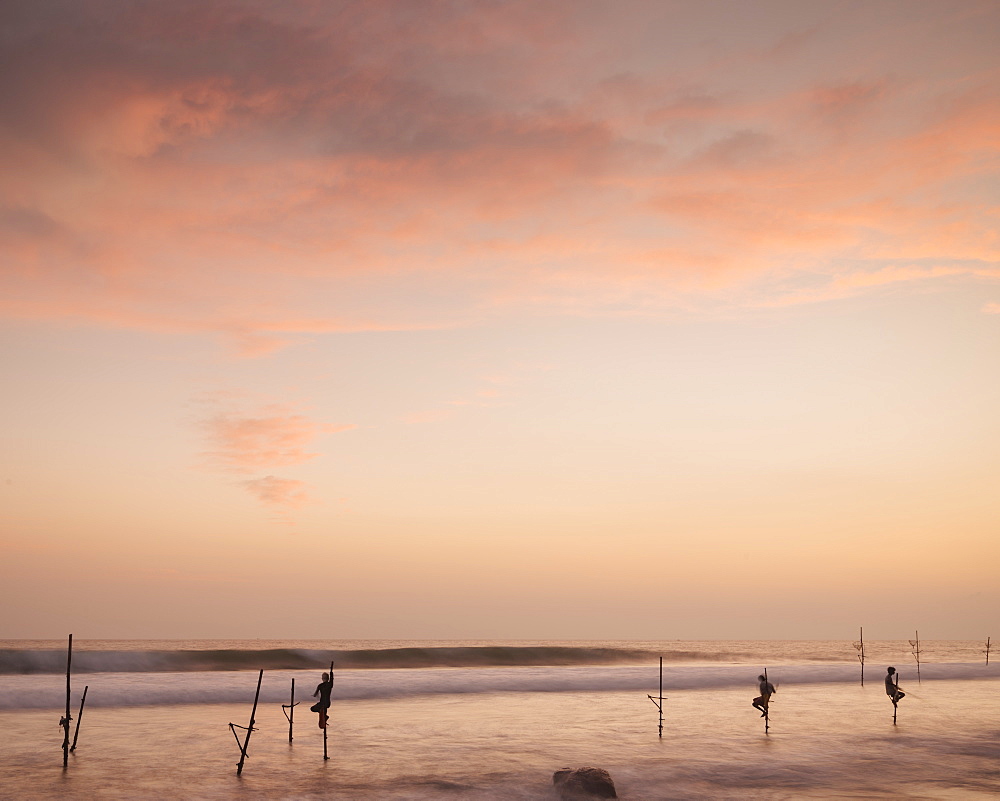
x,y
767,707
79,717
68,717
915,649
895,699
860,646
661,697
325,754
250,729
289,710
659,703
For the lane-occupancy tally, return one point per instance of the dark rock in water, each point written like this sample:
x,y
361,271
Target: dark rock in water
x,y
583,783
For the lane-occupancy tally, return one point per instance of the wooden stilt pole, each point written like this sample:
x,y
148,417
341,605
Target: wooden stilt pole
x,y
767,706
79,717
895,699
659,703
860,646
65,721
915,648
289,710
327,712
661,697
987,650
250,728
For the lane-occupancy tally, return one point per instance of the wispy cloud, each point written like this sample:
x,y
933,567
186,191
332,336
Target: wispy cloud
x,y
284,493
276,437
264,437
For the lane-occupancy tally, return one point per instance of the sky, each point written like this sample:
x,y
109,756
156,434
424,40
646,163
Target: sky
x,y
486,319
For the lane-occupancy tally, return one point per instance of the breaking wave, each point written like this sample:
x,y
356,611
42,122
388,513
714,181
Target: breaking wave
x,y
31,661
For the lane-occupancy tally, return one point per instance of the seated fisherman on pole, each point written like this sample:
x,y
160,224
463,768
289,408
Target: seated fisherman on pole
x,y
323,690
762,700
892,686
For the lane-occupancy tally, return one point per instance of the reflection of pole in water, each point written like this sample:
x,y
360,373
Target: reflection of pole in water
x,y
659,703
915,650
860,646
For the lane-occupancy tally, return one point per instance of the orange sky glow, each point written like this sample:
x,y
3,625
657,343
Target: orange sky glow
x,y
490,319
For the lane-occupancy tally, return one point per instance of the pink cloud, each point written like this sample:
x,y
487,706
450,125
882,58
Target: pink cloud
x,y
380,170
274,438
284,493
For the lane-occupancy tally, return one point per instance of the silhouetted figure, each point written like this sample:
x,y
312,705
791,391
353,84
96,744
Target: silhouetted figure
x,y
762,700
323,690
892,686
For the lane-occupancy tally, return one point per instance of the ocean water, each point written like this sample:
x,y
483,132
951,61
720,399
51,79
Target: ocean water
x,y
487,721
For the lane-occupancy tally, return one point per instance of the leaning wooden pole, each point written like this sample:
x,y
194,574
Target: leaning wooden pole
x,y
79,717
325,754
68,717
253,714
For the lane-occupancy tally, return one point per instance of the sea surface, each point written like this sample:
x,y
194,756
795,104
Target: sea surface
x,y
489,720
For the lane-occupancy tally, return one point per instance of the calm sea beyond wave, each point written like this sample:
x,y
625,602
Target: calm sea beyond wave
x,y
493,720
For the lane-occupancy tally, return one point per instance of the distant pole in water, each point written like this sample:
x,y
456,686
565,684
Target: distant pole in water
x,y
79,717
915,650
249,729
987,651
659,703
67,718
860,646
289,710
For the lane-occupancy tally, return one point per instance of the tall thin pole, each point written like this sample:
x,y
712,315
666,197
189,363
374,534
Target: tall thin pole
x,y
767,706
68,717
859,646
79,717
659,703
325,755
895,699
253,714
290,711
987,650
915,648
661,696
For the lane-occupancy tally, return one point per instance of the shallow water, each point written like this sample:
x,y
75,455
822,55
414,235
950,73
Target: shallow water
x,y
827,740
